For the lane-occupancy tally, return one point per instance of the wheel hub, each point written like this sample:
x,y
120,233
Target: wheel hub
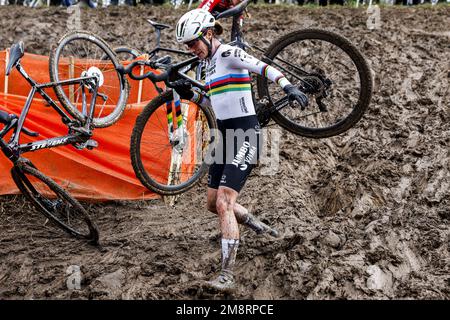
x,y
95,72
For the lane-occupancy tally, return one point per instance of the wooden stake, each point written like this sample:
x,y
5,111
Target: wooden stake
x,y
139,99
71,76
6,77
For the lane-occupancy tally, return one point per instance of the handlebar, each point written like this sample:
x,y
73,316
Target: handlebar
x,y
10,121
170,74
158,64
234,11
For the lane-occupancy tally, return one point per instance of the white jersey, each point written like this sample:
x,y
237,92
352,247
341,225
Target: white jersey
x,y
229,84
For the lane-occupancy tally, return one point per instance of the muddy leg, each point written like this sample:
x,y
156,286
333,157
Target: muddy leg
x,y
226,198
242,215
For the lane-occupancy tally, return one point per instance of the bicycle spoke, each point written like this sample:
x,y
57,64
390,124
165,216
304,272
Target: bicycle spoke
x,y
321,60
183,162
83,51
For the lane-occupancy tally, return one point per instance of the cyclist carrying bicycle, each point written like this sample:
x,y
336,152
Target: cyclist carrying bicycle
x,y
228,81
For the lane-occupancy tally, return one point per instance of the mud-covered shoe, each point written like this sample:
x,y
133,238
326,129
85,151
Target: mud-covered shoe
x,y
260,227
223,283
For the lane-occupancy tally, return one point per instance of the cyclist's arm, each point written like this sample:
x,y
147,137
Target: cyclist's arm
x,y
239,59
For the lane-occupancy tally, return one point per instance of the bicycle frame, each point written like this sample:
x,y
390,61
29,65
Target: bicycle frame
x,y
158,47
163,49
13,149
236,40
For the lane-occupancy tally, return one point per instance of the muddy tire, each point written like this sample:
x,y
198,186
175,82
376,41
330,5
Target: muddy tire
x,y
93,51
61,208
341,113
152,123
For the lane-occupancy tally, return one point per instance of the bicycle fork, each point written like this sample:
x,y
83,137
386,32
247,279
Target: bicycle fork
x,y
177,137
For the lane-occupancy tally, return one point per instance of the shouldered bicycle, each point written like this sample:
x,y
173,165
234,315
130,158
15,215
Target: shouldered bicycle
x,y
323,64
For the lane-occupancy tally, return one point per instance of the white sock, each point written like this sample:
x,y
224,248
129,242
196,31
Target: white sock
x,y
229,251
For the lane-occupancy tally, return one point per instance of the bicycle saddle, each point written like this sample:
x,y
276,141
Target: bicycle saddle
x,y
157,25
15,53
235,11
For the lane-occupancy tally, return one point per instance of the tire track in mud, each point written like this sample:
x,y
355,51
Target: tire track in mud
x,y
363,215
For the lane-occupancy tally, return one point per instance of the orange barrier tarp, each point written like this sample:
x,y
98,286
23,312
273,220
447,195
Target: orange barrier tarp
x,y
100,174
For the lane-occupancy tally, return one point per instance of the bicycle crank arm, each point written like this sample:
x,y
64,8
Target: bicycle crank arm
x,y
280,104
89,144
84,132
322,106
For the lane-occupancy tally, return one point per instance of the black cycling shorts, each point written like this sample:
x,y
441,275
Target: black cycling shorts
x,y
236,153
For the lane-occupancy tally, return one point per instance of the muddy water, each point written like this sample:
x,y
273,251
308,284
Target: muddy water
x,y
363,215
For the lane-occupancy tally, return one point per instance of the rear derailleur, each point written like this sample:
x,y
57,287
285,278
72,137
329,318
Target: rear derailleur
x,y
318,85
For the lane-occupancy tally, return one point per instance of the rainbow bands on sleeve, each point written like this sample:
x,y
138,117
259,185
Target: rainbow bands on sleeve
x,y
274,75
282,81
277,79
264,70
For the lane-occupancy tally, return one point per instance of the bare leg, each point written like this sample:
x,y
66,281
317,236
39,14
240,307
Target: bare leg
x,y
242,215
239,211
226,198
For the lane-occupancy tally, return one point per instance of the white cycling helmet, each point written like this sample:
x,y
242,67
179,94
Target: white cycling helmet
x,y
192,23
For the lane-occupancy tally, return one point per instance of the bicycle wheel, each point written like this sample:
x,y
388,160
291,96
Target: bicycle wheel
x,y
75,54
333,73
168,161
54,202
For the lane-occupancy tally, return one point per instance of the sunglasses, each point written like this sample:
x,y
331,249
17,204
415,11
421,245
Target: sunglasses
x,y
191,43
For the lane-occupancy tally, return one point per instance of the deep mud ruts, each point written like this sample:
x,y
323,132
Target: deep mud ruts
x,y
363,215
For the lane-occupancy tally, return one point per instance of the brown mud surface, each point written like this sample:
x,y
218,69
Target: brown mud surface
x,y
364,215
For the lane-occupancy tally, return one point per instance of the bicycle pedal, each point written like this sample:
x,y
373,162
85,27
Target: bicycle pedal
x,y
91,144
321,105
82,130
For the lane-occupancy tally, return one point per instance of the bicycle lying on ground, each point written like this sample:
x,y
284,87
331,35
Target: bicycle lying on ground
x,y
46,195
323,64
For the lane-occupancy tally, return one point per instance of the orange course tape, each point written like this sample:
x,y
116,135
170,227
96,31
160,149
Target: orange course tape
x,y
104,173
